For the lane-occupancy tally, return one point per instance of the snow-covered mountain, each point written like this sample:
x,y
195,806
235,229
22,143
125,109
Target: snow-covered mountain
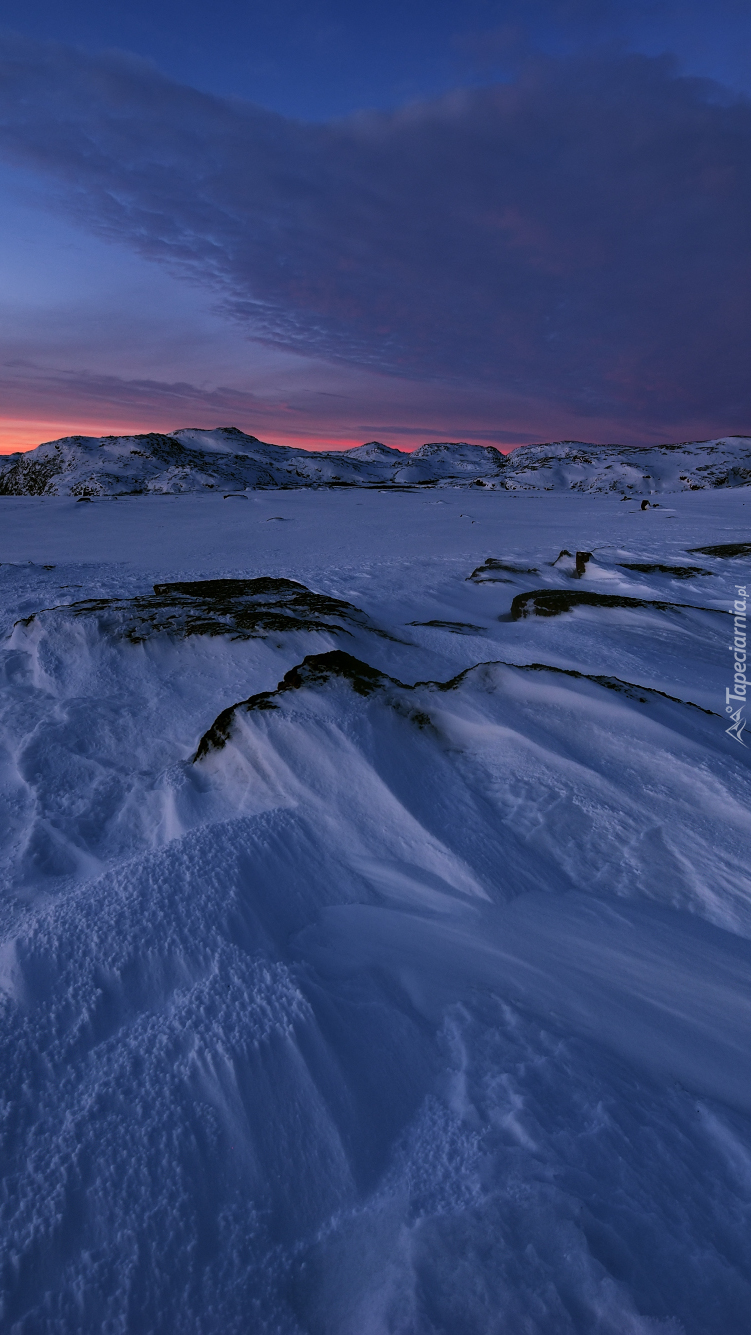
x,y
572,466
226,459
194,460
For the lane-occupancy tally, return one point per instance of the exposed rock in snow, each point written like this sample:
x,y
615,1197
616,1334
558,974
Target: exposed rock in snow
x,y
725,550
551,602
487,573
239,608
656,568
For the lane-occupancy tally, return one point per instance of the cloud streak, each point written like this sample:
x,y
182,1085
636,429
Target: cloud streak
x,y
579,237
322,407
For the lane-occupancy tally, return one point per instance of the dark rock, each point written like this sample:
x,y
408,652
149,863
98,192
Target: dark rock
x,y
484,573
315,670
551,602
459,627
239,608
724,549
654,568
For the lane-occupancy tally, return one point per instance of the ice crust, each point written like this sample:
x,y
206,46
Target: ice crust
x,y
372,960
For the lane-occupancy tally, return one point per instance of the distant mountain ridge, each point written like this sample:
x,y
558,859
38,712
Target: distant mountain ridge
x,y
226,459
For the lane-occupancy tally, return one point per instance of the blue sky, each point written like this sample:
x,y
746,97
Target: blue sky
x,y
329,222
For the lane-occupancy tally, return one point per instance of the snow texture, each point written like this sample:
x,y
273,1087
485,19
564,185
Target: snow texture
x,y
193,460
375,936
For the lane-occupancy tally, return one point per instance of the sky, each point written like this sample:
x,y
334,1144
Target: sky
x,y
327,223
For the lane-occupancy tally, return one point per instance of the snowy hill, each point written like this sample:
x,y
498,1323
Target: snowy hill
x,y
226,459
691,466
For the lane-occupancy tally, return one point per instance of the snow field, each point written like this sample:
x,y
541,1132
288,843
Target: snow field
x,y
420,1005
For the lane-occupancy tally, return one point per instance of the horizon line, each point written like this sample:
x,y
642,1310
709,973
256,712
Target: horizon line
x,y
340,447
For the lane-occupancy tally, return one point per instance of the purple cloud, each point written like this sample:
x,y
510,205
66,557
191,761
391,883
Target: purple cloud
x,y
579,237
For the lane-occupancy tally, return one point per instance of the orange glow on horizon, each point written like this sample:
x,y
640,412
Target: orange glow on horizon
x,y
23,434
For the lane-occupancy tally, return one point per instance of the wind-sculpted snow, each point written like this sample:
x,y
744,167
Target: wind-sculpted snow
x,y
472,740
193,460
372,961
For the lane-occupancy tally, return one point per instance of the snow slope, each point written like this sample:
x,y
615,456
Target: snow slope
x,y
375,956
691,466
193,460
